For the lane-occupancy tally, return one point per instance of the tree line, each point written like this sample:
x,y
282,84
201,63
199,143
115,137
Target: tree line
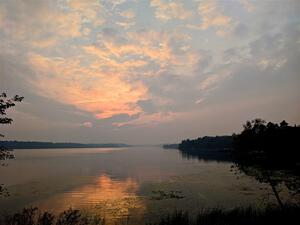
x,y
206,142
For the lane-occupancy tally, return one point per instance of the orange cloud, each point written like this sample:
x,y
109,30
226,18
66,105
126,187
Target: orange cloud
x,y
49,23
217,20
88,9
129,14
170,10
212,15
107,82
102,94
106,60
32,25
44,43
145,48
100,75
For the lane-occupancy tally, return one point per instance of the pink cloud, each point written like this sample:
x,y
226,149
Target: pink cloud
x,y
87,124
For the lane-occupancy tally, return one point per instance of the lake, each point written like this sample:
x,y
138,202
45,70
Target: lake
x,y
121,183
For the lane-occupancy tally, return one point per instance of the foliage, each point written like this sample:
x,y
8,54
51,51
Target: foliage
x,y
269,152
218,142
237,216
275,142
215,216
170,146
33,216
5,104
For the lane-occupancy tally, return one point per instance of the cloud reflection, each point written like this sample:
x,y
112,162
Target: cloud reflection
x,y
108,197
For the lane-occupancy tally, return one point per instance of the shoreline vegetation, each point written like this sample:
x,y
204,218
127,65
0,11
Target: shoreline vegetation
x,y
208,216
269,144
47,145
265,151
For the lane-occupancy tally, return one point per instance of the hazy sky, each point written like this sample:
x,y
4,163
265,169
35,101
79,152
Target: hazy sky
x,y
147,71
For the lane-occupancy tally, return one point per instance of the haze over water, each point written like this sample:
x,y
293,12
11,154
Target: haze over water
x,y
119,182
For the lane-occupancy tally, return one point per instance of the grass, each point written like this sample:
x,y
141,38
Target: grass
x,y
289,215
33,216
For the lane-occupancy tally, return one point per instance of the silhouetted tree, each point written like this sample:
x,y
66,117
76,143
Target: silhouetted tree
x,y
283,124
6,103
270,153
272,141
267,151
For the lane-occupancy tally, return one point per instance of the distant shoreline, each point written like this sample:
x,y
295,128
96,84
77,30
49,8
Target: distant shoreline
x,y
52,145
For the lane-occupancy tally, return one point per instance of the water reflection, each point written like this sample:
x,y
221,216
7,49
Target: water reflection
x,y
283,182
207,155
108,197
120,183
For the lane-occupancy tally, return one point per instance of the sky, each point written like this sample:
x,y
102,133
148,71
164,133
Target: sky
x,y
147,71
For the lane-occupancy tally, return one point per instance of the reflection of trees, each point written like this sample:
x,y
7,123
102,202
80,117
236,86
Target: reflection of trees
x,y
268,153
207,155
273,177
207,148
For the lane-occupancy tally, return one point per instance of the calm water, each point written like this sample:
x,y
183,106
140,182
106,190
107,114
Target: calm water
x,y
119,183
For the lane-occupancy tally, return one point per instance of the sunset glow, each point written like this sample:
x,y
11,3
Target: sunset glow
x,y
115,67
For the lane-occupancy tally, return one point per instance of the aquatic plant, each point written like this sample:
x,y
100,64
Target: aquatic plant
x,y
161,195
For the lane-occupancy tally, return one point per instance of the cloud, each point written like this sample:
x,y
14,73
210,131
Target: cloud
x,y
248,5
88,9
128,19
199,100
104,95
87,124
42,18
213,16
137,50
165,11
214,80
45,24
109,63
1,18
125,24
151,119
274,64
116,3
128,14
44,43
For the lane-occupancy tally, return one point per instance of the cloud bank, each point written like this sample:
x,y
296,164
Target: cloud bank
x,y
122,67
